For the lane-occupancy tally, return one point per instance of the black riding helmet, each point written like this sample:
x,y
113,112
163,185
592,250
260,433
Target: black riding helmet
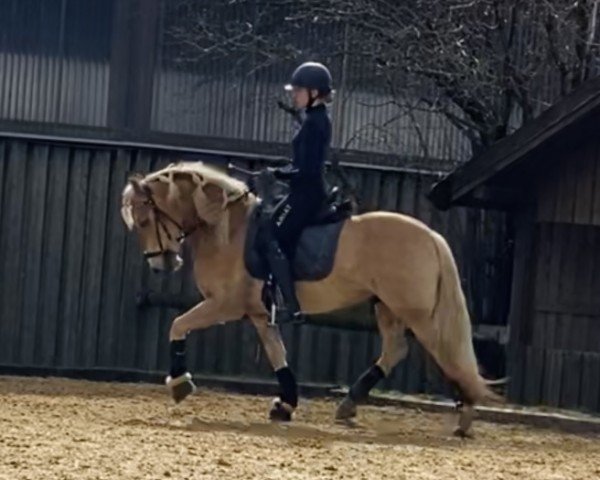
x,y
313,76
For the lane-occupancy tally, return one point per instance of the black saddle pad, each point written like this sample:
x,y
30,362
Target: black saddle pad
x,y
315,254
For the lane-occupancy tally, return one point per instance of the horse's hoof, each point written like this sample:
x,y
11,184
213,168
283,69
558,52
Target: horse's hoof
x,y
461,433
180,387
466,414
346,409
281,411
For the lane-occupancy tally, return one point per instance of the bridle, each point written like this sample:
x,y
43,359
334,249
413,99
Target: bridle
x,y
159,223
159,215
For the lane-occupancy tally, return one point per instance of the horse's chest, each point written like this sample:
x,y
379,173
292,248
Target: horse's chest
x,y
214,276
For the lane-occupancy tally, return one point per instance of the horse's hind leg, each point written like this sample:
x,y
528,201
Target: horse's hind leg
x,y
462,373
466,412
394,348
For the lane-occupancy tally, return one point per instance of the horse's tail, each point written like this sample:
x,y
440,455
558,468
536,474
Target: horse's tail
x,y
455,352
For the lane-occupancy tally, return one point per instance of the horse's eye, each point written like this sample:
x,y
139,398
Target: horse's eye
x,y
144,223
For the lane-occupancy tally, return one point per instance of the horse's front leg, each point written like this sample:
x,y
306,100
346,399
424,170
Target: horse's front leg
x,y
204,315
284,406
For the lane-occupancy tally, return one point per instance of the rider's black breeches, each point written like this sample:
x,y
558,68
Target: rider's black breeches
x,y
292,215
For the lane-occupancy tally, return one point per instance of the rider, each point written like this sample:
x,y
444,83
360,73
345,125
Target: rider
x,y
311,90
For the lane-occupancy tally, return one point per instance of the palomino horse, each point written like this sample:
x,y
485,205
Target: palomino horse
x,y
394,260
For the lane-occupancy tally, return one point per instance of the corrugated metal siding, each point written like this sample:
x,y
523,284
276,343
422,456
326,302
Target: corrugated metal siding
x,y
53,89
217,103
71,273
222,106
368,119
54,60
219,97
55,67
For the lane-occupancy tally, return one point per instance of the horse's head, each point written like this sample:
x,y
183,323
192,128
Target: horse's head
x,y
146,211
167,206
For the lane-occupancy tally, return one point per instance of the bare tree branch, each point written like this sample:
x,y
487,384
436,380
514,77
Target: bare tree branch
x,y
477,63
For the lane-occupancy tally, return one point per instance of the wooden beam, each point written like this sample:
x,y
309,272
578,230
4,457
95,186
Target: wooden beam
x,y
144,48
521,298
190,145
583,102
549,305
502,197
120,55
133,57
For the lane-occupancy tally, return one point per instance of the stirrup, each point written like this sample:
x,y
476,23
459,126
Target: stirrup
x,y
297,318
284,317
181,386
273,314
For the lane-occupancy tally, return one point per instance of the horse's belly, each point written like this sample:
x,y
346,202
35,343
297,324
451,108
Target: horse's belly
x,y
384,255
332,293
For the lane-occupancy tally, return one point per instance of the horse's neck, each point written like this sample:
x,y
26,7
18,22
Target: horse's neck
x,y
206,245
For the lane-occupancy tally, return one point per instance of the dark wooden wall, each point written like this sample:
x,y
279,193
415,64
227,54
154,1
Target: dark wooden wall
x,y
70,272
557,339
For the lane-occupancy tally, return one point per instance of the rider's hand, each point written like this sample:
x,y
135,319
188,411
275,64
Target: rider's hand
x,y
284,173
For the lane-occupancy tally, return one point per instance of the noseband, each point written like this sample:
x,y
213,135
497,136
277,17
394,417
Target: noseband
x,y
159,215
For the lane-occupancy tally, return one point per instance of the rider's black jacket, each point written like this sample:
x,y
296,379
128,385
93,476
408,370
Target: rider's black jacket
x,y
310,149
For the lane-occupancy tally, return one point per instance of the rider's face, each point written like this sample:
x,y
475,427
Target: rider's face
x,y
301,96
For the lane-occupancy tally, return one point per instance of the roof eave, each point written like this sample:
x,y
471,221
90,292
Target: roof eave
x,y
455,187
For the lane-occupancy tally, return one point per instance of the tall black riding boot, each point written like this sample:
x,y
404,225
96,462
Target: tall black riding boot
x,y
282,273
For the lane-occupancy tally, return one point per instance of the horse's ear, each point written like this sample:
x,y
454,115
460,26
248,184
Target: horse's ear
x,y
127,216
135,180
135,176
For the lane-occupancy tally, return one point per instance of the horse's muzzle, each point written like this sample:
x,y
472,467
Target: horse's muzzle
x,y
167,261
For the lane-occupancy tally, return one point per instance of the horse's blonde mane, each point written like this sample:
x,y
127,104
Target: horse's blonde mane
x,y
213,212
201,174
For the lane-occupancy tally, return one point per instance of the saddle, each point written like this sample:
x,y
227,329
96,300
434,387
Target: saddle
x,y
315,253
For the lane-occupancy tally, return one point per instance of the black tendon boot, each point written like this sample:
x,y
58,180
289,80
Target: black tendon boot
x,y
282,273
179,382
283,407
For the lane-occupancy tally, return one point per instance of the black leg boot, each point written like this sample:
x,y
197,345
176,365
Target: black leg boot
x,y
179,382
282,273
